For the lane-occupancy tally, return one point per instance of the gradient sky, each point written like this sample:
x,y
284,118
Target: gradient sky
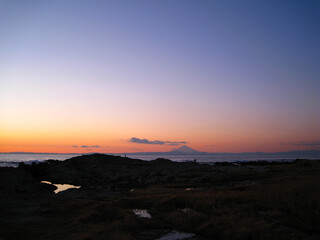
x,y
223,76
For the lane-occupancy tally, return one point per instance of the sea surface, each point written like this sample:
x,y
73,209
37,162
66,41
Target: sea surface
x,y
212,158
13,159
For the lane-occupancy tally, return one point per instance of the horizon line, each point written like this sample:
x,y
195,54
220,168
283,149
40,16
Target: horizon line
x,y
153,152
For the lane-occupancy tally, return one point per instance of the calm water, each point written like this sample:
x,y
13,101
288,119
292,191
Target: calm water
x,y
211,158
61,187
7,159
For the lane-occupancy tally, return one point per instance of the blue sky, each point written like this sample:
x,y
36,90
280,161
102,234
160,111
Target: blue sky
x,y
201,71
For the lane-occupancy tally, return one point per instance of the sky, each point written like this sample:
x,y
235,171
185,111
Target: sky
x,y
130,76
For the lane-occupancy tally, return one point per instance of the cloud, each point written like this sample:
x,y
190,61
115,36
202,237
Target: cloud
x,y
145,141
174,143
85,146
156,142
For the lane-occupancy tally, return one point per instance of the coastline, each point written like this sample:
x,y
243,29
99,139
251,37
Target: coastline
x,y
13,159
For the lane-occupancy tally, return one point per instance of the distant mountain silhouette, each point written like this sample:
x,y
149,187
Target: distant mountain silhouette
x,y
185,150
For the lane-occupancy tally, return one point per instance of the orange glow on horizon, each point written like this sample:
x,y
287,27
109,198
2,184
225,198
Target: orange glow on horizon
x,y
114,145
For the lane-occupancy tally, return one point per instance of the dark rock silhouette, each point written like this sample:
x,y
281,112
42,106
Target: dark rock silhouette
x,y
113,171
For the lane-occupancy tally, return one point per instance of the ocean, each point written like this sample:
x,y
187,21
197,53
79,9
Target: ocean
x,y
13,159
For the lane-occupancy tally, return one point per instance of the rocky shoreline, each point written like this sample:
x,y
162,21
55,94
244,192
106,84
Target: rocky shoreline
x,y
224,201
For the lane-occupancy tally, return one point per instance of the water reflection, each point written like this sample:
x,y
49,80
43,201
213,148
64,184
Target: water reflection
x,y
141,213
61,187
177,236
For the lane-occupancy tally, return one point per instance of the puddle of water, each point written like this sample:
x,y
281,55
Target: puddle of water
x,y
61,187
46,182
141,213
177,236
187,210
